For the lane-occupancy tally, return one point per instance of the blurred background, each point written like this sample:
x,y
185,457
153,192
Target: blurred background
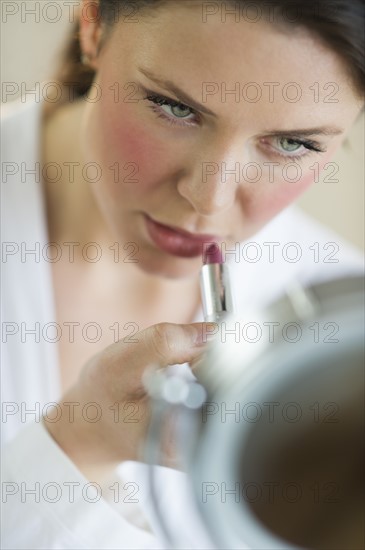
x,y
32,35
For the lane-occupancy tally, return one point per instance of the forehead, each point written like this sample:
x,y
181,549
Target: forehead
x,y
289,65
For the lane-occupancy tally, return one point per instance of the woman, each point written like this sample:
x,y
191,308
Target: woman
x,y
190,122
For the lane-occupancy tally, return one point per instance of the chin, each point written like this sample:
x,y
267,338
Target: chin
x,y
174,268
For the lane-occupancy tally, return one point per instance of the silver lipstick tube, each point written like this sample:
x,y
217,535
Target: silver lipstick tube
x,y
215,292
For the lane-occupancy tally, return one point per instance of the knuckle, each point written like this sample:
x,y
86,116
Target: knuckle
x,y
162,341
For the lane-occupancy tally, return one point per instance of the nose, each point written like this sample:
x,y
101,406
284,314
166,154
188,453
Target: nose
x,y
211,179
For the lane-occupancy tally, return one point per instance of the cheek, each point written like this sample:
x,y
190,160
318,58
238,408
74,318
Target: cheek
x,y
286,193
137,159
265,201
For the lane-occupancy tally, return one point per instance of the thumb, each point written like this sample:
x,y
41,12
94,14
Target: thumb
x,y
168,343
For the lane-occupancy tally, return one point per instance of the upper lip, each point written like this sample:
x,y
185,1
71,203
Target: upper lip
x,y
187,234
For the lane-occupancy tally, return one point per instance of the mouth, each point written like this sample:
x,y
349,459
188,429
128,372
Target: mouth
x,y
177,241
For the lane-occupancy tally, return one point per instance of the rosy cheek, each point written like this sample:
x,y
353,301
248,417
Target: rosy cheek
x,y
276,196
135,151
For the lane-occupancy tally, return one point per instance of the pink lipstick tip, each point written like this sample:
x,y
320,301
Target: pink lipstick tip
x,y
212,255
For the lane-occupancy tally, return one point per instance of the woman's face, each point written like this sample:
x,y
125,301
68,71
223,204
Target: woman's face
x,y
220,169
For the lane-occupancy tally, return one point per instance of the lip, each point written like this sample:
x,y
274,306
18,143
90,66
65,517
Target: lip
x,y
176,241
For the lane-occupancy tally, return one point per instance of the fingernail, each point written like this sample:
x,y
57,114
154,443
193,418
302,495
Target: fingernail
x,y
206,333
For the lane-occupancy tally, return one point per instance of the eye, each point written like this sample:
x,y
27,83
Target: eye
x,y
174,112
292,148
180,110
290,145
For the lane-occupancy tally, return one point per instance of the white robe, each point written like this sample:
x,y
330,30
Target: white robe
x,y
49,518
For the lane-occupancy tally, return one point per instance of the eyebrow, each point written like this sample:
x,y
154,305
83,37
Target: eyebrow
x,y
320,131
183,96
168,85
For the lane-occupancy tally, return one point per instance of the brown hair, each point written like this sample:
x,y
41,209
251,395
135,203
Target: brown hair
x,y
338,23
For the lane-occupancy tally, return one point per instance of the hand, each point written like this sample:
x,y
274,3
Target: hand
x,y
102,420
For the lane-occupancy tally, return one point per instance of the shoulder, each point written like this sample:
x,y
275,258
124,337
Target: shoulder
x,y
20,117
328,248
11,109
20,138
291,247
15,113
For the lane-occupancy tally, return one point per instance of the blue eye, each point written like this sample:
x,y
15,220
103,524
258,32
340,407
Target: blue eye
x,y
179,111
179,114
288,146
292,144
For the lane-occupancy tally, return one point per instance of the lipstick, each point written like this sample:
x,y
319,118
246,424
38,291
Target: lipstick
x,y
215,285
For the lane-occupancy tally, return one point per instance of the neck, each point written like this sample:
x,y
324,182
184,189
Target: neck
x,y
72,213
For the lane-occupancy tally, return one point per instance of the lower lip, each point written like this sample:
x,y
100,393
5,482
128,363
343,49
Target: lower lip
x,y
173,242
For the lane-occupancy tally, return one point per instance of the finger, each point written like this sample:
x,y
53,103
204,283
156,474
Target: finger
x,y
168,344
159,345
